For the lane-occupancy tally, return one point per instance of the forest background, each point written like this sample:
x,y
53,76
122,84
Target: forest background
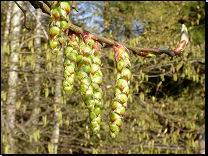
x,y
166,106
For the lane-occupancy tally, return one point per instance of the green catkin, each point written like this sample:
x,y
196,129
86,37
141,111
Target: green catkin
x,y
96,77
71,53
58,24
90,78
121,91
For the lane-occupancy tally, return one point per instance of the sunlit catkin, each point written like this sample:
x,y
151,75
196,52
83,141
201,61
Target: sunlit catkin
x,y
71,53
90,78
121,91
58,24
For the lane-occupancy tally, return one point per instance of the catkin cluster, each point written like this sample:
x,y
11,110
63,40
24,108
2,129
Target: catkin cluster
x,y
121,91
82,52
58,24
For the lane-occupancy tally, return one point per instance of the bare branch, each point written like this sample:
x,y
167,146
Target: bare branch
x,y
24,12
44,31
136,50
165,116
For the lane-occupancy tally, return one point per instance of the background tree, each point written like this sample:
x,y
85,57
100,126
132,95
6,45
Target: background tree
x,y
12,77
165,111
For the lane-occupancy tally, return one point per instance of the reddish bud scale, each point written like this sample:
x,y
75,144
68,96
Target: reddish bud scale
x,y
184,40
144,54
72,36
87,36
96,47
119,51
180,47
121,91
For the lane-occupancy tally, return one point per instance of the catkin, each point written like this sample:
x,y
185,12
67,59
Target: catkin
x,y
71,53
121,91
58,24
90,78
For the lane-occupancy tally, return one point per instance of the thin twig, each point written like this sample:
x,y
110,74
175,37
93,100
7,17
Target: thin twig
x,y
24,12
165,116
31,39
157,87
74,6
44,31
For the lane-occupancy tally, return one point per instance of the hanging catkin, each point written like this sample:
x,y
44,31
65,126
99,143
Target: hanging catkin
x,y
58,24
121,91
90,78
71,53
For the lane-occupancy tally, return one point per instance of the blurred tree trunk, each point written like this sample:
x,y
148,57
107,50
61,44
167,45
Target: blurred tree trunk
x,y
36,100
5,41
202,144
7,26
106,20
57,100
13,77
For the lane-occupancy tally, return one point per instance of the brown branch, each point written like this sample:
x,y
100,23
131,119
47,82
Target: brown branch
x,y
135,50
24,12
78,30
47,3
43,6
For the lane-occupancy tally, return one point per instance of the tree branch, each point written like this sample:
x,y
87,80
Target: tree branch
x,y
44,31
47,3
135,50
42,5
24,12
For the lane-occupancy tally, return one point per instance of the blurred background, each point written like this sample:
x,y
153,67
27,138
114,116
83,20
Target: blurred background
x,y
166,105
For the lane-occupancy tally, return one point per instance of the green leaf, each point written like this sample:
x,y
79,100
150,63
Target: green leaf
x,y
163,48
